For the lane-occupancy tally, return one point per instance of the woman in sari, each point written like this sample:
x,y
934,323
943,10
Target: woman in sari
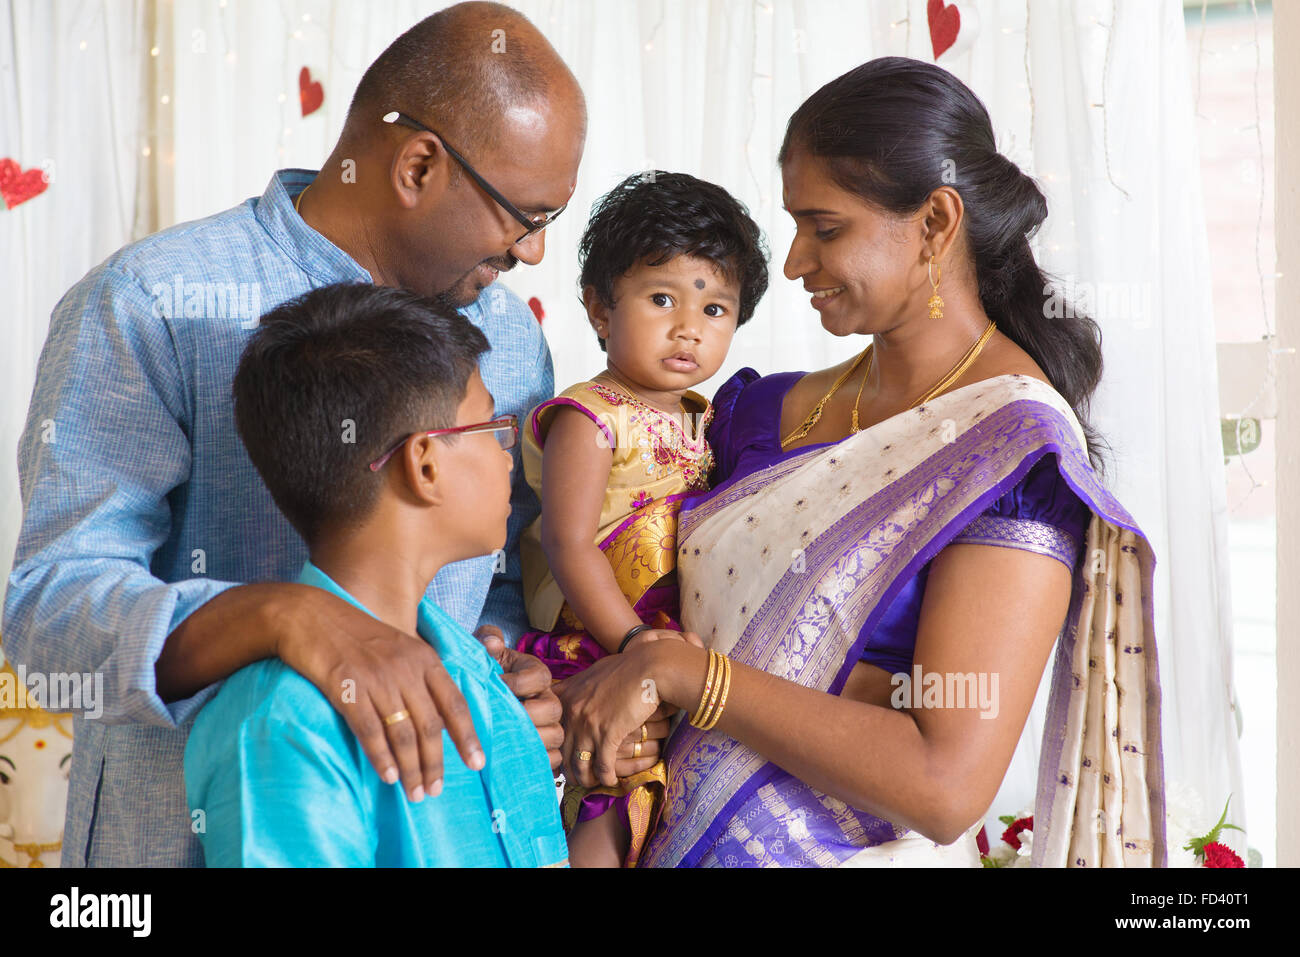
x,y
893,546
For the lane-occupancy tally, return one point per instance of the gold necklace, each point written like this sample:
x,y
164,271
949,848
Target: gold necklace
x,y
960,368
297,200
953,375
871,357
815,415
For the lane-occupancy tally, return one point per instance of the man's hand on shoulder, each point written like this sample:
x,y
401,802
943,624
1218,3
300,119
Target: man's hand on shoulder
x,y
390,687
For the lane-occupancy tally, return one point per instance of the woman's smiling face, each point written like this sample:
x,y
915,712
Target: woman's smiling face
x,y
865,268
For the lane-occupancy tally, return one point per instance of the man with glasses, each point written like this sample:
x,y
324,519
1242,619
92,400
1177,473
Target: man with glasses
x,y
150,550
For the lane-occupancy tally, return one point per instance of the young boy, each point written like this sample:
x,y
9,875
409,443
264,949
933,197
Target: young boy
x,y
362,409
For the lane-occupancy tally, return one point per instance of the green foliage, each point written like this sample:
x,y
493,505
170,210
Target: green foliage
x,y
1197,844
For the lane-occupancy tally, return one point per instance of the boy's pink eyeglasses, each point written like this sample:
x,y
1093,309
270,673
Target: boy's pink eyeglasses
x,y
505,427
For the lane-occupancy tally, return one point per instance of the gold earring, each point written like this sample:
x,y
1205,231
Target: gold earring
x,y
935,303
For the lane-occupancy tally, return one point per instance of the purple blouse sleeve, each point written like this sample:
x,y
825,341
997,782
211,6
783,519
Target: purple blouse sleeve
x,y
719,432
1040,514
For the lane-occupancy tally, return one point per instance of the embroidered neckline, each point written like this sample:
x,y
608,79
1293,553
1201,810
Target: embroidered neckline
x,y
694,443
663,443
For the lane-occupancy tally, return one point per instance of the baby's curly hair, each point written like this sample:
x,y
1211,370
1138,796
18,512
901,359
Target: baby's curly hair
x,y
657,216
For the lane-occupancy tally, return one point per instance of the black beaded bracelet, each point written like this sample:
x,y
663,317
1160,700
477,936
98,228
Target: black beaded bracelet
x,y
630,635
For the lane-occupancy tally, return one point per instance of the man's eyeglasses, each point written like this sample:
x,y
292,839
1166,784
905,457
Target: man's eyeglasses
x,y
534,224
505,427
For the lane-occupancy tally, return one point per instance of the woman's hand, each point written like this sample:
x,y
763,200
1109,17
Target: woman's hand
x,y
605,707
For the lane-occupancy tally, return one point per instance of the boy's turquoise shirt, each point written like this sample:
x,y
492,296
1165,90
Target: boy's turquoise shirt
x,y
274,776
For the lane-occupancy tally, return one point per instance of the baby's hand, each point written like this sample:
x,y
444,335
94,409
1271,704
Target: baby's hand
x,y
665,634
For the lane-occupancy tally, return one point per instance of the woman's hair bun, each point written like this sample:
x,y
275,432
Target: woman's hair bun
x,y
1017,204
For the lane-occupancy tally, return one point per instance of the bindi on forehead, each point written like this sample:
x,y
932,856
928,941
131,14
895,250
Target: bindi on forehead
x,y
699,284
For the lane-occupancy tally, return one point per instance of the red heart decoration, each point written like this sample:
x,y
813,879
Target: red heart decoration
x,y
18,185
310,93
535,305
945,22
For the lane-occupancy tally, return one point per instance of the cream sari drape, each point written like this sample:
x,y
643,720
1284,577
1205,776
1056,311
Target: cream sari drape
x,y
781,569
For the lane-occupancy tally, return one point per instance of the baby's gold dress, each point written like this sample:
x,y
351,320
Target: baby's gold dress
x,y
658,459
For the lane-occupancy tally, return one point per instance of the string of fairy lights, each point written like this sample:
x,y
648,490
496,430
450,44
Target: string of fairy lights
x,y
1027,162
299,51
1272,351
295,33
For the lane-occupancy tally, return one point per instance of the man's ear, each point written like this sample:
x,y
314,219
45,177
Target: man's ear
x,y
421,170
941,217
597,311
420,469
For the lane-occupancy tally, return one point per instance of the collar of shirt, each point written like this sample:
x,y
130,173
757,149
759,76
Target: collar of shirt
x,y
316,255
454,645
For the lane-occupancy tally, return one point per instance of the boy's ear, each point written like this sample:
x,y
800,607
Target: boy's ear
x,y
597,311
420,469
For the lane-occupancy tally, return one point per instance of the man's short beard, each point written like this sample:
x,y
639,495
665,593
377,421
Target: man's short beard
x,y
449,300
464,292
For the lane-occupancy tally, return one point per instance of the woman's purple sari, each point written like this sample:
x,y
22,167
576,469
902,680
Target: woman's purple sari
x,y
782,569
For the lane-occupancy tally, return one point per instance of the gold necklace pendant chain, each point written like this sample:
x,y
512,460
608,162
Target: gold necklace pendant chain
x,y
854,428
815,415
964,363
297,200
957,371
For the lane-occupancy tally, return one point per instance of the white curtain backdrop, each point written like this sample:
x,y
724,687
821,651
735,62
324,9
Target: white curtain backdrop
x,y
71,88
1090,97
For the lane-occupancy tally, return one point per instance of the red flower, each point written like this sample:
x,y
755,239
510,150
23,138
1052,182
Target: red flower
x,y
1022,824
1218,855
982,842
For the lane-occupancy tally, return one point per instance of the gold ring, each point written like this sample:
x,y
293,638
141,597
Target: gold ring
x,y
636,750
644,734
397,716
584,755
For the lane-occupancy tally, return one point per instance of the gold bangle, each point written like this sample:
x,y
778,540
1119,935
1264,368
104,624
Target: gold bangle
x,y
715,689
708,685
722,700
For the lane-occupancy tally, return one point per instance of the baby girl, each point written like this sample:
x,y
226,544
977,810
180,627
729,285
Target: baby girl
x,y
671,265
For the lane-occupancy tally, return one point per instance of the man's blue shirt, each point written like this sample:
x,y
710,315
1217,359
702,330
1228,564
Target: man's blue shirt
x,y
276,778
140,503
